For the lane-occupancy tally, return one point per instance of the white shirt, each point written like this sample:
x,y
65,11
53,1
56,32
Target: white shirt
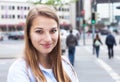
x,y
18,72
63,42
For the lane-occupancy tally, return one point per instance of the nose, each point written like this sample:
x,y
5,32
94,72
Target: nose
x,y
47,37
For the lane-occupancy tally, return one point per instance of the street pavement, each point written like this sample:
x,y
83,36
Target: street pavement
x,y
11,48
92,69
87,66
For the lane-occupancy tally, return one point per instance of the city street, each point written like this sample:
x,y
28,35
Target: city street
x,y
85,18
88,67
92,69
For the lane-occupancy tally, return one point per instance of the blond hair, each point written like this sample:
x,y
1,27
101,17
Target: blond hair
x,y
31,55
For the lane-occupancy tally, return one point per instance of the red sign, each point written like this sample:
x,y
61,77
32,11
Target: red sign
x,y
82,12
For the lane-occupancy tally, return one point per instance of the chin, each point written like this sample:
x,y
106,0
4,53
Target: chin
x,y
46,52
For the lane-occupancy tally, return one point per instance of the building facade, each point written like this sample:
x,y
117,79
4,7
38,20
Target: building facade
x,y
13,14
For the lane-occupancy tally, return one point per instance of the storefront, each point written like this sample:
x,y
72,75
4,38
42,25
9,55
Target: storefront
x,y
11,27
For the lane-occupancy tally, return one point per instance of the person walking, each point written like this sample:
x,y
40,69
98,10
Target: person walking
x,y
97,42
110,42
71,42
42,60
119,41
63,41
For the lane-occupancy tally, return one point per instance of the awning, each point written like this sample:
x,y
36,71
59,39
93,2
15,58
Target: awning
x,y
19,24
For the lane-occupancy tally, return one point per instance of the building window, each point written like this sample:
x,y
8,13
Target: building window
x,y
21,7
2,16
13,16
28,8
19,28
59,9
66,17
18,8
25,16
62,17
62,9
9,16
18,16
68,9
6,16
2,7
25,8
13,7
9,7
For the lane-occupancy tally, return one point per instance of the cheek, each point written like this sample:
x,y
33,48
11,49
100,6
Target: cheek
x,y
56,37
34,37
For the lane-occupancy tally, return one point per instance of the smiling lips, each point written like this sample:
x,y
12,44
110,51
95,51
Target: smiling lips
x,y
47,45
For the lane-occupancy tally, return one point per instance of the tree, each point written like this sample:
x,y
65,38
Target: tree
x,y
53,2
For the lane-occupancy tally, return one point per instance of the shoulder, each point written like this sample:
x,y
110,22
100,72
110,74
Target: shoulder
x,y
19,63
69,36
69,69
17,71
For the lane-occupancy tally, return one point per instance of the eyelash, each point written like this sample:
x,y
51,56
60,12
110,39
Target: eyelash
x,y
53,31
40,31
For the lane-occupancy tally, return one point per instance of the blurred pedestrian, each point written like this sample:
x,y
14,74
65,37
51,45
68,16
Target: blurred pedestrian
x,y
110,42
63,41
42,61
119,41
71,42
97,42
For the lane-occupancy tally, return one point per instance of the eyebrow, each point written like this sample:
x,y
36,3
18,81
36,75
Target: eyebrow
x,y
38,27
54,27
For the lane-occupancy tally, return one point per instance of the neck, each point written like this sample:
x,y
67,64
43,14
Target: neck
x,y
45,61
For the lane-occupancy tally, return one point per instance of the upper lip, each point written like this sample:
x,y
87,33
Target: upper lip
x,y
47,44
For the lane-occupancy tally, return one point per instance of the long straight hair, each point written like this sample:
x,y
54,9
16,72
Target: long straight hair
x,y
31,55
97,37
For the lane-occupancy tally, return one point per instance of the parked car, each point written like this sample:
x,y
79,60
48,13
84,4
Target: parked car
x,y
21,33
1,36
90,31
115,30
104,32
16,35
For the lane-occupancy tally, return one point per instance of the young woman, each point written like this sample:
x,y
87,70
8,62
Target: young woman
x,y
42,61
97,42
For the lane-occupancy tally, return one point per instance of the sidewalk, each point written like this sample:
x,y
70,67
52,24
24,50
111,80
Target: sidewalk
x,y
8,51
80,59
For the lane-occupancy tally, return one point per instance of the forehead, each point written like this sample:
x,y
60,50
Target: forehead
x,y
43,22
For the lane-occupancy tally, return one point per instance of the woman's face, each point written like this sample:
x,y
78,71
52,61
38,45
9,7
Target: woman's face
x,y
44,34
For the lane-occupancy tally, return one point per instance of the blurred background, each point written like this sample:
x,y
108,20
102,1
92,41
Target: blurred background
x,y
85,17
